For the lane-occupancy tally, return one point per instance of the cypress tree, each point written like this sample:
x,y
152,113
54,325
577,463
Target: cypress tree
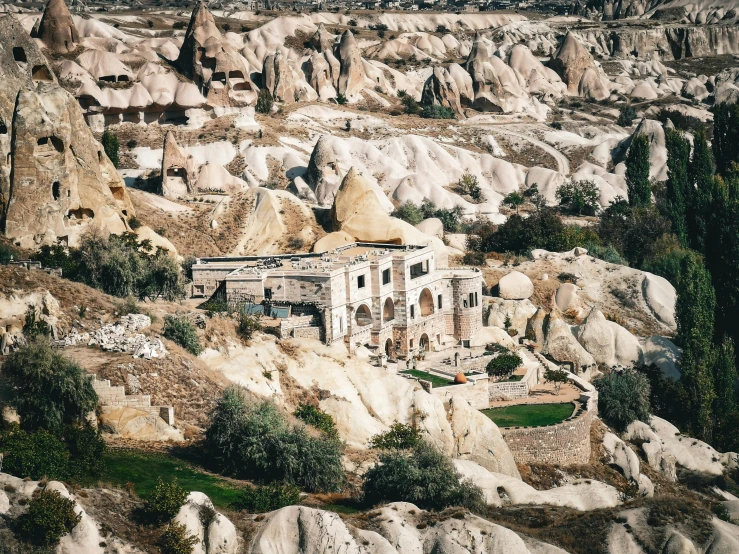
x,y
725,404
701,178
696,300
637,172
677,189
725,136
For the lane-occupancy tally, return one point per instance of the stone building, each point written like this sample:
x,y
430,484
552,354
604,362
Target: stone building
x,y
390,297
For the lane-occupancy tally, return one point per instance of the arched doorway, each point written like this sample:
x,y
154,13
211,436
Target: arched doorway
x,y
426,301
423,343
388,310
363,316
389,348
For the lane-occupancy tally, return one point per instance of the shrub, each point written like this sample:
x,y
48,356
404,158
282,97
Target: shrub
x,y
33,328
36,455
442,29
176,540
472,257
248,324
424,477
50,516
400,436
626,115
134,223
352,23
181,331
111,146
254,440
409,212
187,264
557,125
503,364
579,197
7,253
434,111
410,106
49,389
623,397
340,99
514,200
315,417
264,102
86,450
681,121
165,501
260,499
469,184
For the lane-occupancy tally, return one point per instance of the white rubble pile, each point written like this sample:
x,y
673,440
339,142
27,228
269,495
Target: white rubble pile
x,y
121,337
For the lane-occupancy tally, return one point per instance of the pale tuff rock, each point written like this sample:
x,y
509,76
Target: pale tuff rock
x,y
657,147
179,169
322,40
62,178
572,62
536,77
658,458
323,175
129,422
693,88
627,461
279,78
515,286
352,76
319,74
56,28
518,311
562,345
441,89
219,536
208,59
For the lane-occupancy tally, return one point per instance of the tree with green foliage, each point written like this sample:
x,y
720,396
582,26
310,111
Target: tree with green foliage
x,y
696,300
701,185
36,454
175,539
264,102
49,389
579,197
180,330
253,440
514,200
626,115
341,99
409,212
725,376
422,476
435,111
316,417
7,253
410,105
400,436
637,172
111,146
725,136
542,229
49,517
469,184
556,376
266,498
623,397
165,501
677,187
504,364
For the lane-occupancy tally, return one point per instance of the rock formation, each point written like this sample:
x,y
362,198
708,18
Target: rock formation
x,y
279,78
62,179
320,74
576,67
208,59
515,286
322,40
495,84
561,345
56,28
440,89
216,535
179,169
323,174
352,75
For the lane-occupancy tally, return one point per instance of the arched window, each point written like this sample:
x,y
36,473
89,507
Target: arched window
x,y
363,316
388,310
426,301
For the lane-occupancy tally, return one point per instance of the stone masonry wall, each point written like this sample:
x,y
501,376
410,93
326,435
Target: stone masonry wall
x,y
509,390
564,443
116,396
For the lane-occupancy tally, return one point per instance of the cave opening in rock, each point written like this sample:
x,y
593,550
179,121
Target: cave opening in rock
x,y
19,54
56,190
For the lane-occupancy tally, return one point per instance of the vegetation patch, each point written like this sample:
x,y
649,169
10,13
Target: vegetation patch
x,y
435,380
530,415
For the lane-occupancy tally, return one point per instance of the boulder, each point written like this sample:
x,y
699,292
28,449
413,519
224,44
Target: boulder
x,y
562,345
596,336
432,226
352,75
56,28
576,67
567,300
440,89
323,175
215,536
663,353
137,424
694,88
517,311
515,286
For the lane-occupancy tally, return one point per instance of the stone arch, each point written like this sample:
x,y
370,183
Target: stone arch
x,y
424,343
363,315
426,302
388,310
389,348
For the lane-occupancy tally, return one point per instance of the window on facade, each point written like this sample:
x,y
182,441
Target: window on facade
x,y
268,294
420,269
385,276
477,300
360,282
439,301
413,311
472,300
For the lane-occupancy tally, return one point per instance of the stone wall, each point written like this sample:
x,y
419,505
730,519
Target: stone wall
x,y
508,390
116,396
564,443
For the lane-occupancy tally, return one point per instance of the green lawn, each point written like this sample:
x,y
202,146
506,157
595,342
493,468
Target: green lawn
x,y
142,469
435,380
530,415
513,378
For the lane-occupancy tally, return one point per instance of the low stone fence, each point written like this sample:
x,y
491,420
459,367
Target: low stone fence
x,y
508,390
116,396
303,326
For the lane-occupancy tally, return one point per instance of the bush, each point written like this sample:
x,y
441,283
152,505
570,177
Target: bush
x,y
176,540
33,328
36,455
340,99
111,146
400,436
626,115
248,323
264,102
472,257
181,331
134,223
469,184
86,450
410,106
442,29
424,477
681,121
623,397
260,499
579,197
503,365
434,111
409,212
253,440
50,516
50,390
7,253
165,501
315,417
187,264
